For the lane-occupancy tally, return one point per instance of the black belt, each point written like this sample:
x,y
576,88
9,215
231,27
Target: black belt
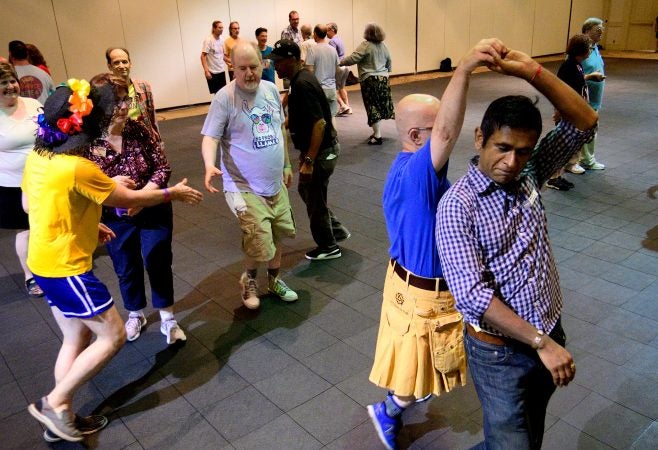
x,y
426,284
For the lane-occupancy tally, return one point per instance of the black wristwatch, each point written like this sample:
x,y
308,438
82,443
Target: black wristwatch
x,y
308,160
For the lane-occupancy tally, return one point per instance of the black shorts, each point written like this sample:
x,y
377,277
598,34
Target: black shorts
x,y
217,82
12,216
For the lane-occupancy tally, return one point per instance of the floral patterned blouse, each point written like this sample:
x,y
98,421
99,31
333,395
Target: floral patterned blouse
x,y
141,157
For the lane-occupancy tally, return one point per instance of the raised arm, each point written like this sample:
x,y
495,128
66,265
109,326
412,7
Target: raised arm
x,y
449,120
572,107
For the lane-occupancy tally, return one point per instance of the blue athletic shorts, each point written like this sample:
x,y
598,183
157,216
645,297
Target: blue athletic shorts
x,y
79,296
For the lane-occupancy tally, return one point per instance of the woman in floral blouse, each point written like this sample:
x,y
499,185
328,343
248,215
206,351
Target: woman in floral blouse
x,y
130,153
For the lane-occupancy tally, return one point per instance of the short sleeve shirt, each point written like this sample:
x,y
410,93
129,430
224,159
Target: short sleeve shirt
x,y
64,194
411,194
214,48
248,126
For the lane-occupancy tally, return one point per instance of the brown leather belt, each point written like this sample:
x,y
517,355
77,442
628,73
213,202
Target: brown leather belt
x,y
485,337
426,284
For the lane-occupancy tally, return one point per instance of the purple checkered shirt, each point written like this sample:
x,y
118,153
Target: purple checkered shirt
x,y
494,240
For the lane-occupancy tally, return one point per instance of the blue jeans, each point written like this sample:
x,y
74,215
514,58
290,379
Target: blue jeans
x,y
143,242
514,388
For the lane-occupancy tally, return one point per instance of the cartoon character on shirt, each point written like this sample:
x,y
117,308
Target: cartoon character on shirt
x,y
262,129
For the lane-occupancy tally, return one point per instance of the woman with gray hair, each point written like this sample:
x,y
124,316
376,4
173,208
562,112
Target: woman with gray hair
x,y
374,64
17,131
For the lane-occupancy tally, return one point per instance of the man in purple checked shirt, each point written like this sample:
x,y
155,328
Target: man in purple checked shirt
x,y
493,245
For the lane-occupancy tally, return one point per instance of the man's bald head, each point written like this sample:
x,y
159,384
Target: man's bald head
x,y
247,65
306,31
414,119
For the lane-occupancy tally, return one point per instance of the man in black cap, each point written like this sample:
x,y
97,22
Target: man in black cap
x,y
309,123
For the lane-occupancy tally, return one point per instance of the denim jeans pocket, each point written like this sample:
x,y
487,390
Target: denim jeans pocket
x,y
485,352
447,341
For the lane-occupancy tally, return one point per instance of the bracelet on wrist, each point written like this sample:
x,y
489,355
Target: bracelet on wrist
x,y
538,340
167,195
537,73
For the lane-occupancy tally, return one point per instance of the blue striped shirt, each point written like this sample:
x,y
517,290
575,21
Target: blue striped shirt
x,y
493,240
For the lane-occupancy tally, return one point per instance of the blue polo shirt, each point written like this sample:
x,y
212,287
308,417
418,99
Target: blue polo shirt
x,y
411,194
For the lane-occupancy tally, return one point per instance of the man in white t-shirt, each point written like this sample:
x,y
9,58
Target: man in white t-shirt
x,y
212,58
246,119
323,61
35,83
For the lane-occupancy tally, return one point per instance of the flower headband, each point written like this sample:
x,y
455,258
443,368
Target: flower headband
x,y
80,106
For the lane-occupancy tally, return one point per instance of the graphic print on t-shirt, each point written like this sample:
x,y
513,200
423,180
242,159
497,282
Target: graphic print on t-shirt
x,y
30,86
262,129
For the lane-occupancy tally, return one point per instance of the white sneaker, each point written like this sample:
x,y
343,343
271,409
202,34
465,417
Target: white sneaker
x,y
574,168
134,326
172,331
594,166
249,288
279,288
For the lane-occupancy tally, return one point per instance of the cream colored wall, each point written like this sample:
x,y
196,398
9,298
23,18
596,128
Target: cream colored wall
x,y
165,36
448,28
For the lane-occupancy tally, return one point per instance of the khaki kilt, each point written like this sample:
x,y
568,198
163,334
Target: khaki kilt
x,y
420,345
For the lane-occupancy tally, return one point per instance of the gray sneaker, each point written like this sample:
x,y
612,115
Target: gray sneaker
x,y
61,424
86,425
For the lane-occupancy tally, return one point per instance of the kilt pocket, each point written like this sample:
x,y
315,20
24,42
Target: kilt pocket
x,y
399,313
447,341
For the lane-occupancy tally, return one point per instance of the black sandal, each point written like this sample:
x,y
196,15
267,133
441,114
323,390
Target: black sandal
x,y
372,140
33,289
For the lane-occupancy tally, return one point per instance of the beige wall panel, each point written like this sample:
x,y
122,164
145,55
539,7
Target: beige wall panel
x,y
399,23
642,11
366,11
457,27
281,10
582,10
153,36
339,11
641,37
196,17
523,14
508,20
431,34
617,10
85,37
252,15
400,27
482,23
39,29
551,27
615,37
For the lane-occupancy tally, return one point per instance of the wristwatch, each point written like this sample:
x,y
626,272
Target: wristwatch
x,y
536,342
308,160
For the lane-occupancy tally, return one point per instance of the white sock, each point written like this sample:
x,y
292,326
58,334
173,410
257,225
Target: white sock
x,y
139,313
376,130
403,403
166,315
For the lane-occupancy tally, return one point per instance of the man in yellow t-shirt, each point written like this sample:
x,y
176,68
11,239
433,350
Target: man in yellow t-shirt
x,y
64,194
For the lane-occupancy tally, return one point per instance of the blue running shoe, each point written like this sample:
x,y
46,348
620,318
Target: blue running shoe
x,y
387,427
